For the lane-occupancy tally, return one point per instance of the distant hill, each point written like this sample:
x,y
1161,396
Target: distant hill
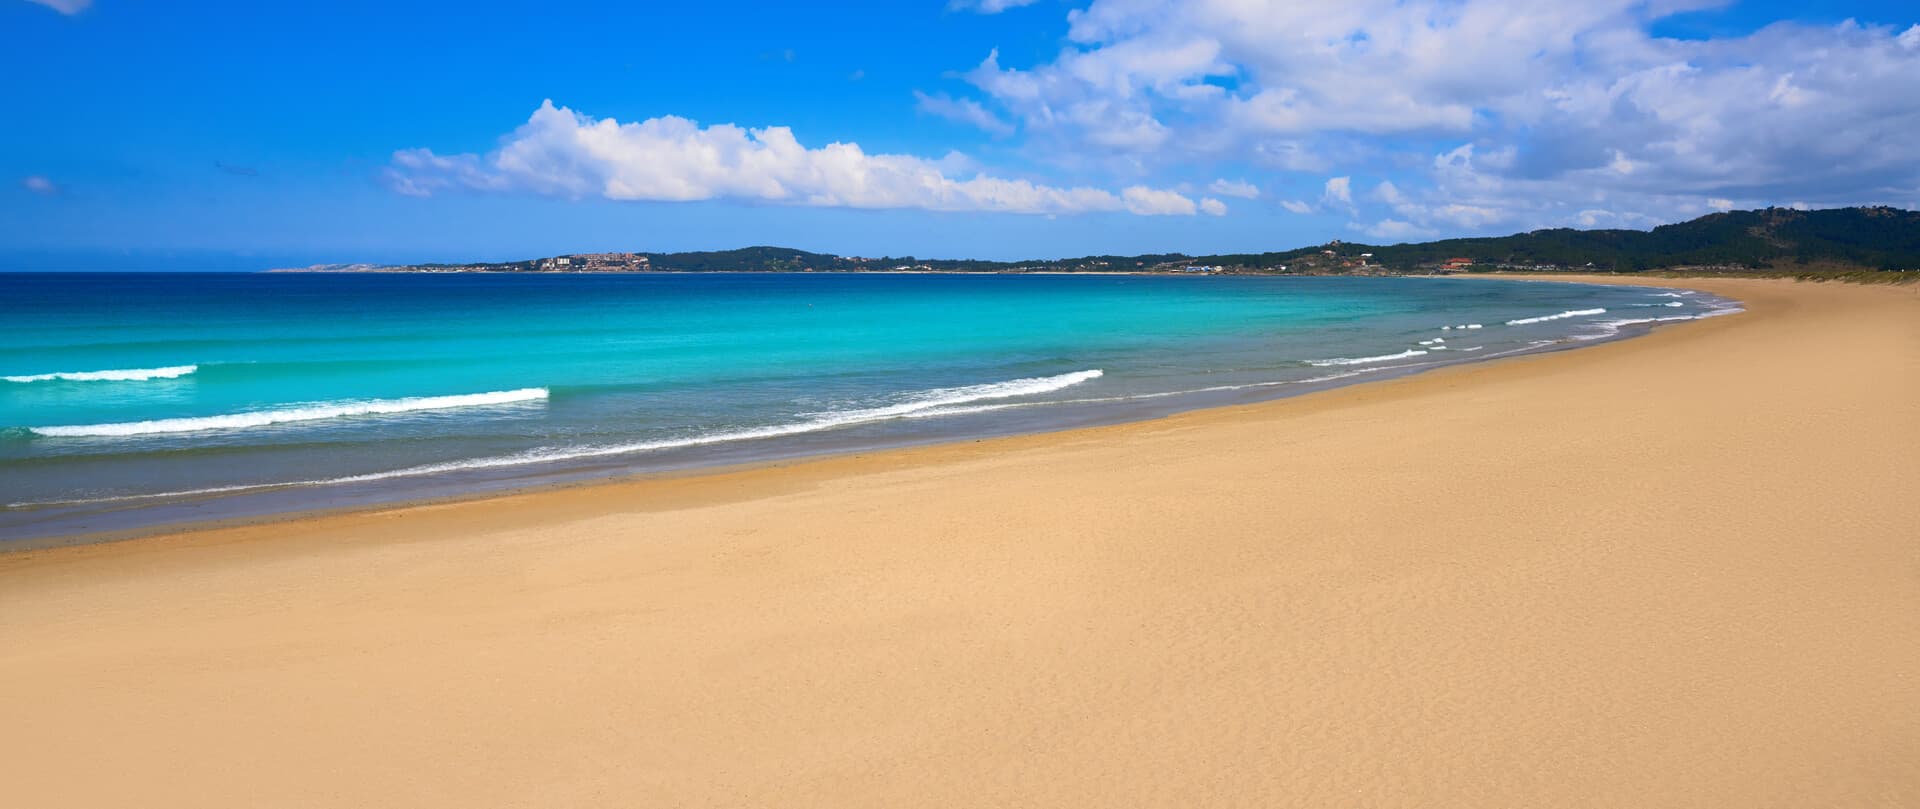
x,y
1876,238
783,259
1773,238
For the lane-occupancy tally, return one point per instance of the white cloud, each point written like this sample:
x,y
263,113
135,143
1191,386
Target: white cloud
x,y
964,110
39,185
1296,206
1548,111
559,152
1234,188
1157,202
1389,193
1339,192
1213,207
988,6
68,7
1394,229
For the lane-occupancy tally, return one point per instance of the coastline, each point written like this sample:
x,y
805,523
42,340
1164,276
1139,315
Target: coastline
x,y
224,505
1671,570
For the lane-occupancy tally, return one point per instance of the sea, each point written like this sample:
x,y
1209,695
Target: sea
x,y
133,401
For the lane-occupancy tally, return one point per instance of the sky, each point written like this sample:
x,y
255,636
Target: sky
x,y
244,135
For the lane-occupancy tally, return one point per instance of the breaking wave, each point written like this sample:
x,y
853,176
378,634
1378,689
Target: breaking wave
x,y
1561,316
262,418
1412,352
118,375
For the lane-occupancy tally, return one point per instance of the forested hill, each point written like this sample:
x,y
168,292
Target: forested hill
x,y
1875,238
1773,238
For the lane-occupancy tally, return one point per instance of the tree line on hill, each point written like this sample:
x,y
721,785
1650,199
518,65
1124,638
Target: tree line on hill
x,y
1869,238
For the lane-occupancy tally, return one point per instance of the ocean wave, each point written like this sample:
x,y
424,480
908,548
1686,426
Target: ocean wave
x,y
923,404
1462,326
262,418
117,375
1411,352
1561,316
949,397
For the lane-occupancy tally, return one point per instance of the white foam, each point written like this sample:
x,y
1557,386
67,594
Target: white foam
x,y
948,397
262,418
1433,341
1412,352
1674,303
118,375
1462,326
1561,316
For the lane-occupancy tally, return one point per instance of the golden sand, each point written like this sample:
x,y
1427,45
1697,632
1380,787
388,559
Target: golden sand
x,y
1682,570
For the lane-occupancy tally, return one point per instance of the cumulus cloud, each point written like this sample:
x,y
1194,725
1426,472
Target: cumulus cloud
x,y
559,152
67,7
1234,188
1213,207
988,6
1546,113
966,111
39,185
1297,206
1338,193
1156,202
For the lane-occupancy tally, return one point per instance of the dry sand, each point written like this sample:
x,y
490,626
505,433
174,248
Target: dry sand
x,y
1682,570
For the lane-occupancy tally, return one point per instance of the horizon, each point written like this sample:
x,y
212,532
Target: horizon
x,y
154,263
1000,130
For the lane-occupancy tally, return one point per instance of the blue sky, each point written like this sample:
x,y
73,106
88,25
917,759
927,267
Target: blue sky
x,y
244,135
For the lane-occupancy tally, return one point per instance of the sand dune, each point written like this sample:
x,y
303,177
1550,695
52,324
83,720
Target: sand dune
x,y
1682,570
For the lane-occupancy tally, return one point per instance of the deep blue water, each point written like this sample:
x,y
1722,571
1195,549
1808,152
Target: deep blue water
x,y
129,400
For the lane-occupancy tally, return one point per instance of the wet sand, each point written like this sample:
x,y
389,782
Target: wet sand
x,y
1680,570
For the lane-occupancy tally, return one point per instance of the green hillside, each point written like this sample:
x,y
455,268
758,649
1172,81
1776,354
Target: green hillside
x,y
1773,239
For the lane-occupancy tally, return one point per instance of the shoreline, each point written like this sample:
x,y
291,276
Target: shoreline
x,y
1675,570
559,479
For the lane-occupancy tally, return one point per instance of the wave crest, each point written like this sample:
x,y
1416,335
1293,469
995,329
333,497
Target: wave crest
x,y
1561,316
116,375
1412,352
262,418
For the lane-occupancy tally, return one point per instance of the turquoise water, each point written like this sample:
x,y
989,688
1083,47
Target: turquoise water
x,y
135,399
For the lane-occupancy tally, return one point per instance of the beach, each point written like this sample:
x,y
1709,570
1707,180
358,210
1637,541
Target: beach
x,y
1677,570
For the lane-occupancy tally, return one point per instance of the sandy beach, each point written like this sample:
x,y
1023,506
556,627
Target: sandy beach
x,y
1675,571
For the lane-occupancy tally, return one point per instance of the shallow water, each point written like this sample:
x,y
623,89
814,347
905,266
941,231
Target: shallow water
x,y
129,400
